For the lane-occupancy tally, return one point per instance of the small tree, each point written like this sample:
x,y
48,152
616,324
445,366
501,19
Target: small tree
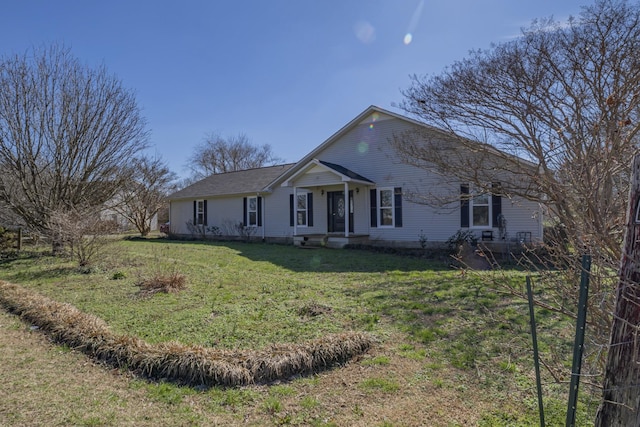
x,y
144,193
218,155
84,233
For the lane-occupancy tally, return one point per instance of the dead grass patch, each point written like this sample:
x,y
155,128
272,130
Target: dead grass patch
x,y
167,283
313,309
188,364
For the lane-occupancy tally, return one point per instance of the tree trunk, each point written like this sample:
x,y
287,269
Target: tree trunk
x,y
620,404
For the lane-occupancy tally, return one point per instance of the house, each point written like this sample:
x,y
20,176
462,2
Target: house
x,y
352,188
119,213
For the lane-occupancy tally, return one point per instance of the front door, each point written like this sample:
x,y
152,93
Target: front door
x,y
336,211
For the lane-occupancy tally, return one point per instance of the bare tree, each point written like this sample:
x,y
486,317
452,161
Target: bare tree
x,y
217,155
565,99
67,135
143,195
83,233
562,97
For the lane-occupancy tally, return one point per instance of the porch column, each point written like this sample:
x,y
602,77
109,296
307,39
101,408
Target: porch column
x,y
295,214
264,224
346,209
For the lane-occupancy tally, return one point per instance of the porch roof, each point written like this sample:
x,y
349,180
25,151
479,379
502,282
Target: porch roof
x,y
344,174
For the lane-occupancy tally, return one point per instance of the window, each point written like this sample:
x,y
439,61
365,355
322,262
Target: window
x,y
385,209
480,210
200,212
252,211
301,210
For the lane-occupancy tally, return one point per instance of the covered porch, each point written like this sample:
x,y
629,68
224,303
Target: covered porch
x,y
330,205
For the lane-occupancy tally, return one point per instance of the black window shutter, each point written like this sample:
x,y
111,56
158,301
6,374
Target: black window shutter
x,y
244,211
291,216
496,204
195,212
259,211
204,220
310,209
397,201
464,206
374,208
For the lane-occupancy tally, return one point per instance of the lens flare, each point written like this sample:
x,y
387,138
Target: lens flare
x,y
363,147
365,32
413,24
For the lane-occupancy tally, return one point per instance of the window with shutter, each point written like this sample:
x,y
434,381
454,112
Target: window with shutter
x,y
252,211
386,207
479,210
199,217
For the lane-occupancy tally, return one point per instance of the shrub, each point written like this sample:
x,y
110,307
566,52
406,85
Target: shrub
x,y
83,233
8,239
245,232
461,236
196,231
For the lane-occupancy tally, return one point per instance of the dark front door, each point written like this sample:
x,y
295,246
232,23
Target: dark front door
x,y
337,209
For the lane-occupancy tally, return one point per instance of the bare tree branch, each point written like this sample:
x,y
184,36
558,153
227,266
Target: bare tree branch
x,y
217,155
67,135
558,111
563,98
144,193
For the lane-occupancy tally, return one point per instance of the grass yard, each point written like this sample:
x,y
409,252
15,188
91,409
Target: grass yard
x,y
450,349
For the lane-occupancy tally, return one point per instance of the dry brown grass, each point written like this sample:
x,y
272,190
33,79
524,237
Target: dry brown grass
x,y
188,364
79,392
167,283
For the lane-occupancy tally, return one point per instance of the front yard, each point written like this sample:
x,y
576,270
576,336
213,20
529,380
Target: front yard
x,y
450,348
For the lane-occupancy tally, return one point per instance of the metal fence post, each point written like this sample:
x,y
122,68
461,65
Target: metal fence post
x,y
536,361
578,345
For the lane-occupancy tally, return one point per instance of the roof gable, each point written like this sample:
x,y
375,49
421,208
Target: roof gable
x,y
370,115
317,166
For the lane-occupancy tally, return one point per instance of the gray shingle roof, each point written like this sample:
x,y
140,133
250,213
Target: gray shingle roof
x,y
240,182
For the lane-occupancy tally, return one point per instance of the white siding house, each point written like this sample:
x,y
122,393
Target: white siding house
x,y
306,200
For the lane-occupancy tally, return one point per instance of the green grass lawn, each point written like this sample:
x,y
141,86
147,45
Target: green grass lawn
x,y
438,331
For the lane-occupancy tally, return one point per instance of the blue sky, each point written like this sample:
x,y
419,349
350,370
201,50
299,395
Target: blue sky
x,y
288,73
